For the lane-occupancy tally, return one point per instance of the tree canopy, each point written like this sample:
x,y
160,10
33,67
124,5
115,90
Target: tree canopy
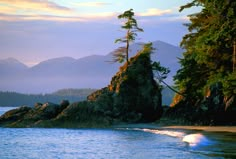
x,y
210,49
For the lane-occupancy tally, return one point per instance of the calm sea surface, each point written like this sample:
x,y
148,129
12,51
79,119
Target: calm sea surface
x,y
125,143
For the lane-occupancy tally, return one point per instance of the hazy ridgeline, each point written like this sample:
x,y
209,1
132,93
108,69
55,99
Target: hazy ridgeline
x,y
18,99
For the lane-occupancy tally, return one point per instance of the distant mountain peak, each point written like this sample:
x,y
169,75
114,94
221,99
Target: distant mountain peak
x,y
13,63
60,59
55,62
9,60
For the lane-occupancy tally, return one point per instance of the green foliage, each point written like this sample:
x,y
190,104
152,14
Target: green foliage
x,y
160,71
207,77
230,85
119,55
209,47
131,27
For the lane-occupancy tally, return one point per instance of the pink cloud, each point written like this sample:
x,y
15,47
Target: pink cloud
x,y
155,12
32,6
92,4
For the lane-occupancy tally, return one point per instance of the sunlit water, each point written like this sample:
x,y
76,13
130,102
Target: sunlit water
x,y
122,143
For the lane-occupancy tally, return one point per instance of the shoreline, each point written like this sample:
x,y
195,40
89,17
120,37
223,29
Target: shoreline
x,y
231,129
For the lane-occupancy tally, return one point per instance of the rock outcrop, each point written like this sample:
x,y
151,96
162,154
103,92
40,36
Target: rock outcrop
x,y
29,117
133,95
14,116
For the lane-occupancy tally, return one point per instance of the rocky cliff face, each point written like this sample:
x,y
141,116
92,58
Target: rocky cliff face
x,y
132,95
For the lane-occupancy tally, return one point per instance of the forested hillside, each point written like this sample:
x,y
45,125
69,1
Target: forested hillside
x,y
18,99
207,78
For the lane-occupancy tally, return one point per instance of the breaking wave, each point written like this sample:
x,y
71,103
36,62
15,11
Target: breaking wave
x,y
196,140
192,140
166,132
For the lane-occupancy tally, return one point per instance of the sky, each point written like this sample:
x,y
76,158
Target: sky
x,y
36,30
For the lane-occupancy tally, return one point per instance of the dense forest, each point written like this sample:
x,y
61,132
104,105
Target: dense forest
x,y
210,55
207,78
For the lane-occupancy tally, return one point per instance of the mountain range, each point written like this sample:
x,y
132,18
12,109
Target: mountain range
x,y
93,71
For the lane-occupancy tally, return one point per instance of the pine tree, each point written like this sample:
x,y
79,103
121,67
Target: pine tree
x,y
209,47
131,27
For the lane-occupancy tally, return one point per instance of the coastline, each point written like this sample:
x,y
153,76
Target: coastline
x,y
231,129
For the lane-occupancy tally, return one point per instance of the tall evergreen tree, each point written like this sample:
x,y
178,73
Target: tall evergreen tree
x,y
209,47
131,27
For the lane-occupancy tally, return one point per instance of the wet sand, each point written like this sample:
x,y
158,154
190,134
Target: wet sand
x,y
205,128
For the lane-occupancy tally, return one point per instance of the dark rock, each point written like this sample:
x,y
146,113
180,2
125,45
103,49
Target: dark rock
x,y
14,115
80,114
27,117
132,95
45,112
37,105
64,104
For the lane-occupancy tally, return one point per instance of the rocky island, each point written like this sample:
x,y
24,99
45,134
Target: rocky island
x,y
132,96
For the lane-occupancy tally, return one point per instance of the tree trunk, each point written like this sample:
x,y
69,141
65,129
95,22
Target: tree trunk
x,y
234,57
172,88
127,52
127,47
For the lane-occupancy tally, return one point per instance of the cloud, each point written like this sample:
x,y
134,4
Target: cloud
x,y
7,17
6,9
30,7
92,4
45,10
30,10
155,12
100,16
81,18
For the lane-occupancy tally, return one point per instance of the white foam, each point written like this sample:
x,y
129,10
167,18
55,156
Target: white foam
x,y
192,139
166,132
196,139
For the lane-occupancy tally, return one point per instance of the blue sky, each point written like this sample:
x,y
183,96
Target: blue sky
x,y
37,30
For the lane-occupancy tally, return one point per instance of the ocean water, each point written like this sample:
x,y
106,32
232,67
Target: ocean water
x,y
115,143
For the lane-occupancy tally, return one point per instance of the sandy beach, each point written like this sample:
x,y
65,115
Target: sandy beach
x,y
205,128
156,126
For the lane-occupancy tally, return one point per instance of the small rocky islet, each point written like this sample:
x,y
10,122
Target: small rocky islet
x,y
132,96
